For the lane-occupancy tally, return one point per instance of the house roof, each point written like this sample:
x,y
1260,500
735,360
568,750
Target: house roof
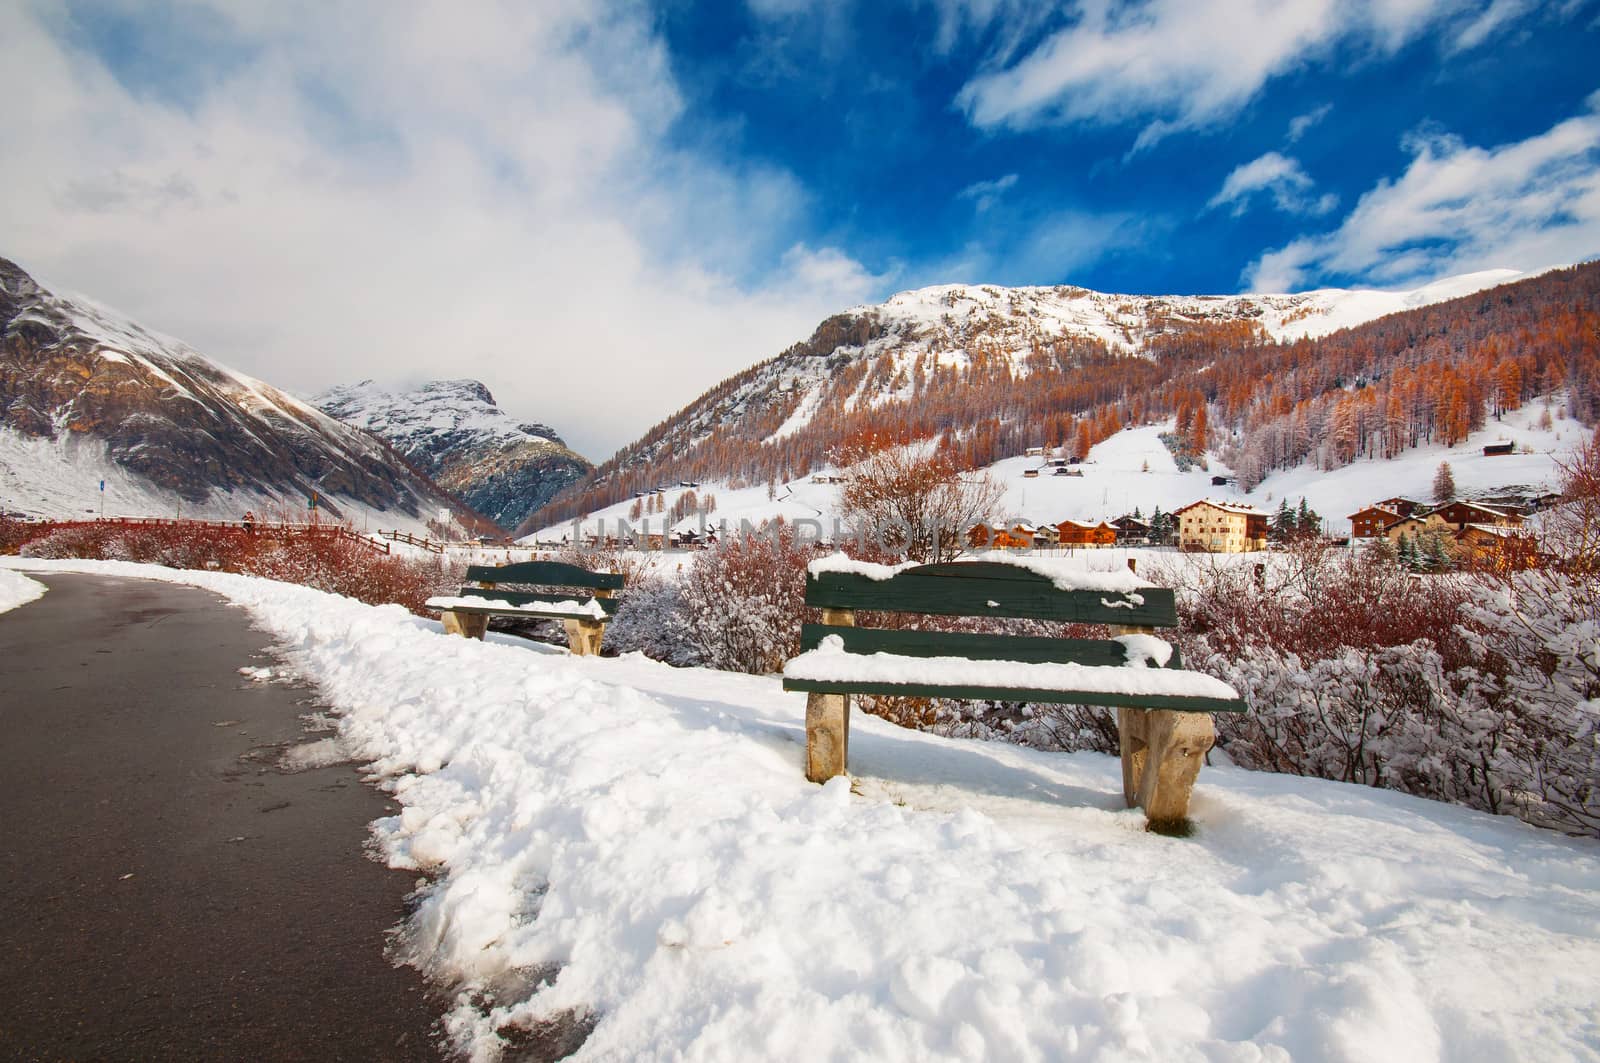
x,y
1226,507
1470,505
1378,508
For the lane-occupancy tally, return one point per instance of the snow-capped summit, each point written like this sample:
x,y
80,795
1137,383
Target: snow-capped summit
x,y
97,412
502,466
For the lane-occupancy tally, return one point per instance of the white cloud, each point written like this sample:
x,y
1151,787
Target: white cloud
x,y
1457,208
405,191
1300,124
1280,176
985,194
1183,64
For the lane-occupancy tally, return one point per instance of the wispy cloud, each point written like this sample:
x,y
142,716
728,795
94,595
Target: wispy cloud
x,y
371,190
1457,208
1184,64
1300,124
985,194
1281,177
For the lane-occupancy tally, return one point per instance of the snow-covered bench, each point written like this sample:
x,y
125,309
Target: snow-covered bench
x,y
582,600
1163,712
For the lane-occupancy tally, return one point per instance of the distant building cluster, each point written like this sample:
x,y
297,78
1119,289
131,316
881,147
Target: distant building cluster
x,y
1471,531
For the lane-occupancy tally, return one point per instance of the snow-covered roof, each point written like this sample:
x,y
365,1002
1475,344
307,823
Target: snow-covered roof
x,y
1227,507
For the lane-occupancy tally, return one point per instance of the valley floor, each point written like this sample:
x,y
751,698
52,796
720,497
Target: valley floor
x,y
622,839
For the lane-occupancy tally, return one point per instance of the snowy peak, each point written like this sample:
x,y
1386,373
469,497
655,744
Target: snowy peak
x,y
428,421
1124,321
453,429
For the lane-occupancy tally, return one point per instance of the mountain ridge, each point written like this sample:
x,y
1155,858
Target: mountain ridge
x,y
503,467
87,394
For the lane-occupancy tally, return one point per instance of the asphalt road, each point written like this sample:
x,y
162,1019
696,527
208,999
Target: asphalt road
x,y
166,892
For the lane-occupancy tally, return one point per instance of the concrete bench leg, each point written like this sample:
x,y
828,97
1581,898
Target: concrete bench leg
x,y
583,637
827,735
467,625
1162,751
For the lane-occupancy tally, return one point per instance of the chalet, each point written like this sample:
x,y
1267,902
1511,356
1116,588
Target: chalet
x,y
1016,536
1033,452
1412,527
1496,546
1494,450
1371,522
1062,470
1131,531
1046,535
1221,481
1459,514
1221,527
1082,533
1401,505
1030,473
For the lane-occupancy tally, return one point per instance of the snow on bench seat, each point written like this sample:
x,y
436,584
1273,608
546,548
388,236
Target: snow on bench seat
x,y
832,667
573,608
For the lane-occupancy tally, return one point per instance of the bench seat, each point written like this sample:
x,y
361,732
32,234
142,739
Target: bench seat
x,y
1114,672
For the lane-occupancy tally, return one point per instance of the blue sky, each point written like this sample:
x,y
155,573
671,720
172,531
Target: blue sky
x,y
891,116
601,208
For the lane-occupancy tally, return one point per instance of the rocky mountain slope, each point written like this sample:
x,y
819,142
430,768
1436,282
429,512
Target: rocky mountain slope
x,y
88,396
871,365
502,467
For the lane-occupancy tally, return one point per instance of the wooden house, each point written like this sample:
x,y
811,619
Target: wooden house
x,y
1401,505
1001,536
1497,546
1083,533
1131,531
1411,527
1370,523
1495,450
1221,527
1030,473
1459,514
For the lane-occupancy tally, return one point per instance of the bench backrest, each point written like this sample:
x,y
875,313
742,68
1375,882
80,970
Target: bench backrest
x,y
982,588
546,574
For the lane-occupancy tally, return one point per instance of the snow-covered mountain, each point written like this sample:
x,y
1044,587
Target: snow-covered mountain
x,y
951,325
502,467
780,418
88,396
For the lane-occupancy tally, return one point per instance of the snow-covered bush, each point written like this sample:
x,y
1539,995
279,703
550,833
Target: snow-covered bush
x,y
744,600
653,619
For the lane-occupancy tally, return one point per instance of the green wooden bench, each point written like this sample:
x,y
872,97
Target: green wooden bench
x,y
584,613
1163,712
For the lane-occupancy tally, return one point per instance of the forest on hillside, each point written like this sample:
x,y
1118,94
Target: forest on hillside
x,y
1428,375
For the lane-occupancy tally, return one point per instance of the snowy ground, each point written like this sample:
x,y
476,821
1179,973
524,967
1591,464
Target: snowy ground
x,y
17,589
1134,469
648,832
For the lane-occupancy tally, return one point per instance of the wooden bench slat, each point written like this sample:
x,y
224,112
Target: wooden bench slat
x,y
1055,697
610,605
546,573
978,647
987,589
532,613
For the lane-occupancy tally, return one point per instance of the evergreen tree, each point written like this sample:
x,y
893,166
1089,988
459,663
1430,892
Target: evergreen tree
x,y
1307,521
1283,523
1406,551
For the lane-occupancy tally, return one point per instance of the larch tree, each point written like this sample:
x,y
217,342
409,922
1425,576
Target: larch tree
x,y
1444,484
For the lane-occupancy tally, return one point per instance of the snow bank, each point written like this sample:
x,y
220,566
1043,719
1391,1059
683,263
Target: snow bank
x,y
17,589
648,832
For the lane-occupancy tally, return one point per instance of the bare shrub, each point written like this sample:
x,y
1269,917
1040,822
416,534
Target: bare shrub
x,y
917,504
